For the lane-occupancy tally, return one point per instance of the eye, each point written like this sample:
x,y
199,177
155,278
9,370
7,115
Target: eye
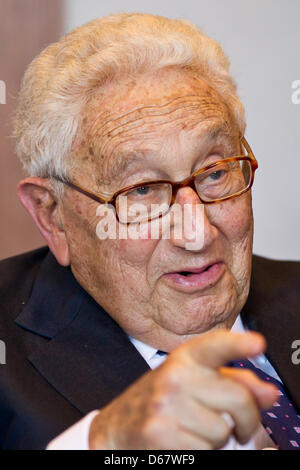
x,y
143,190
216,175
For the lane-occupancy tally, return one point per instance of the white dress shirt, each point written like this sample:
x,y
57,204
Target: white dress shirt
x,y
77,436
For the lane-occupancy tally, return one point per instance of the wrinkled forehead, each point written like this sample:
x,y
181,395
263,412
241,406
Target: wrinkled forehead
x,y
150,108
167,95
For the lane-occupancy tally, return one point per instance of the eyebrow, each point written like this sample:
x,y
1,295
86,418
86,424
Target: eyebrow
x,y
221,129
124,159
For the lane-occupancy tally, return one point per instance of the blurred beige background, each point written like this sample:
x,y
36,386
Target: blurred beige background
x,y
261,38
26,27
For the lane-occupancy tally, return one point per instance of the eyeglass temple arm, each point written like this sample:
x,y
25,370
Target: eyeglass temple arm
x,y
247,147
82,191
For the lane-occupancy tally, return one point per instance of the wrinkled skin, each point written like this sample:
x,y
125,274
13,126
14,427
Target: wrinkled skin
x,y
162,126
172,120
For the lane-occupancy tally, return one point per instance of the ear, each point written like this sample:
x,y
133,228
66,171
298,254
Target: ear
x,y
38,198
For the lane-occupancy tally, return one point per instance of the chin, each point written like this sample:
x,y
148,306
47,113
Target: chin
x,y
196,318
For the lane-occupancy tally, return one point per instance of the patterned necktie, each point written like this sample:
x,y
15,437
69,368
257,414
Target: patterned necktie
x,y
281,422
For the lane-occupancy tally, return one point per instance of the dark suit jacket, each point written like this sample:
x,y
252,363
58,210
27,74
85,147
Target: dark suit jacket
x,y
65,356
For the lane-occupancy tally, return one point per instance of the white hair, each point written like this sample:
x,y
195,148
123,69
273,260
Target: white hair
x,y
59,82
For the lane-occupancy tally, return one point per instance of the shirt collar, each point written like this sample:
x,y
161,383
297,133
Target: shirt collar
x,y
238,326
148,352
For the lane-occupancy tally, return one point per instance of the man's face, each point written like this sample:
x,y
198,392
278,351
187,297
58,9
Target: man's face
x,y
164,126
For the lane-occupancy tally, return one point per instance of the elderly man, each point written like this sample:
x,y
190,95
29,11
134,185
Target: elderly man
x,y
125,120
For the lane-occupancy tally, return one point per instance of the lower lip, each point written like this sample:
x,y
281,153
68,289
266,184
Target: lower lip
x,y
196,281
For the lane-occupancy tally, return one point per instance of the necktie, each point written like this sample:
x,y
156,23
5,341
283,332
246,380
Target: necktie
x,y
281,422
161,353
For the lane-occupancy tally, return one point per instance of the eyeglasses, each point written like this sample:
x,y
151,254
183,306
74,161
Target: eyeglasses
x,y
148,200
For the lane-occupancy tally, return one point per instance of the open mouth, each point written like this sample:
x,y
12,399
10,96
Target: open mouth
x,y
190,273
196,279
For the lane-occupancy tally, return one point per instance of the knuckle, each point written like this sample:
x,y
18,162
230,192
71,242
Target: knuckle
x,y
246,433
160,401
241,397
167,388
152,431
205,445
171,376
253,421
222,432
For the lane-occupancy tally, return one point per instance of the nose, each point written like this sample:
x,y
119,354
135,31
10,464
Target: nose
x,y
191,228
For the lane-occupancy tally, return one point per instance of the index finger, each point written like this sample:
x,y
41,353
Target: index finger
x,y
217,348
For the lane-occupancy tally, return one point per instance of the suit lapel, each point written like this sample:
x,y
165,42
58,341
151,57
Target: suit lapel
x,y
86,357
273,309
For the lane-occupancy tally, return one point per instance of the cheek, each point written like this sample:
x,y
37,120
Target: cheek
x,y
237,221
137,252
238,235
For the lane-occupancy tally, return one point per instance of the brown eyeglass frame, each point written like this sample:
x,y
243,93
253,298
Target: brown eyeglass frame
x,y
190,181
